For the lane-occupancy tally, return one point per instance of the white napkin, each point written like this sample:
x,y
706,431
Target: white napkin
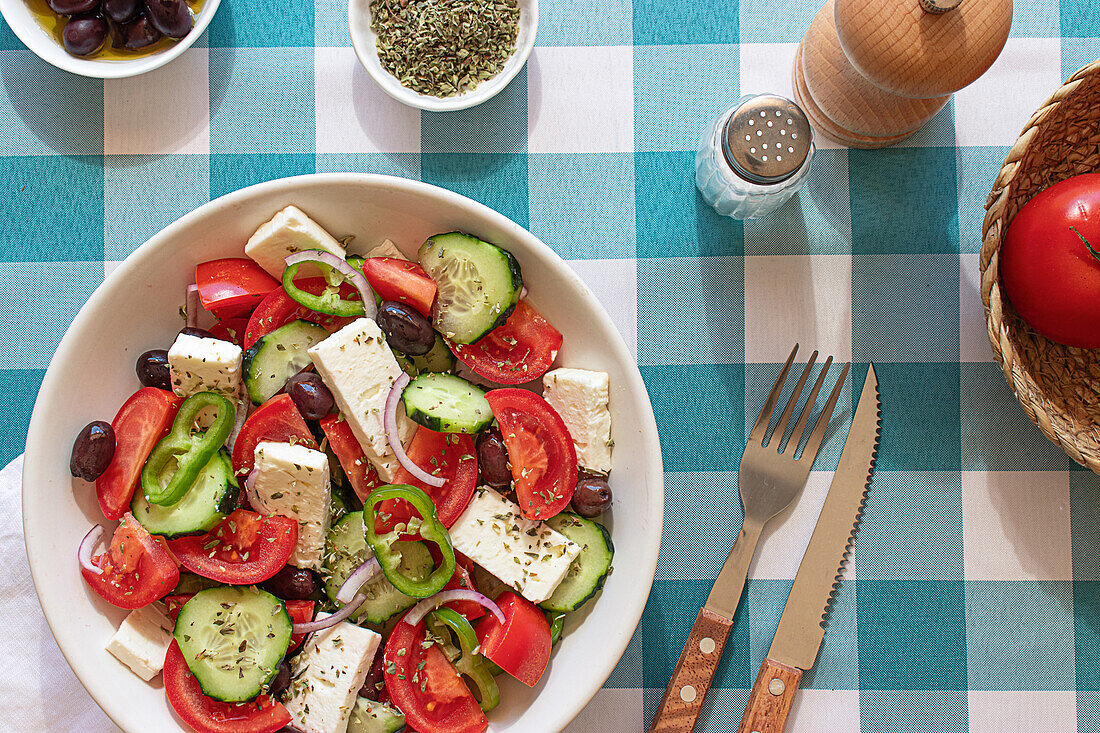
x,y
38,691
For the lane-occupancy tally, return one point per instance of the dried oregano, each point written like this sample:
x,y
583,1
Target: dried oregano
x,y
444,47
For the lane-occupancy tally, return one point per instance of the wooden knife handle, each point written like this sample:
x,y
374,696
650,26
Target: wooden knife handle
x,y
770,699
683,700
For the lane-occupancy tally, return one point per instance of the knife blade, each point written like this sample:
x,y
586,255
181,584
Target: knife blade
x,y
800,632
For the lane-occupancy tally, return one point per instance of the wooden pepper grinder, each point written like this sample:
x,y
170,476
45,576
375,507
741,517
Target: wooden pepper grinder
x,y
869,73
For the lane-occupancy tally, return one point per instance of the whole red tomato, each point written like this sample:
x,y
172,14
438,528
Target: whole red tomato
x,y
1050,262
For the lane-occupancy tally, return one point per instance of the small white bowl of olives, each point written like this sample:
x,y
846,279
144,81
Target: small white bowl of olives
x,y
108,39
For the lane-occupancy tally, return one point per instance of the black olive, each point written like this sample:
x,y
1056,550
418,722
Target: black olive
x,y
281,681
492,459
93,450
291,584
312,398
592,497
406,330
201,333
152,369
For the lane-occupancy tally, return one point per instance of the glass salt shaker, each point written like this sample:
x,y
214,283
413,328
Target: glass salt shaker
x,y
755,156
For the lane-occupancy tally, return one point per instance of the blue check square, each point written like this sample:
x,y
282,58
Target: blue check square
x,y
912,635
923,439
261,100
53,210
1084,487
1078,53
817,221
695,407
498,180
912,527
679,90
498,125
582,204
666,622
46,112
262,24
1038,19
702,517
1086,638
672,219
20,388
34,319
760,23
596,23
403,165
682,22
996,433
696,306
135,210
978,168
1019,635
1079,19
898,711
903,200
229,173
905,308
330,24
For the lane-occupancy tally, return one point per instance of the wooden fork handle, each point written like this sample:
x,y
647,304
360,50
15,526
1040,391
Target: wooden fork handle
x,y
683,700
770,699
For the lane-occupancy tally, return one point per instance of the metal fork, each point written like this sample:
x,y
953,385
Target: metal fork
x,y
771,476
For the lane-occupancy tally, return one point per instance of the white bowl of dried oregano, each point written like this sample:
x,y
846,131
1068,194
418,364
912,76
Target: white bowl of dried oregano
x,y
443,55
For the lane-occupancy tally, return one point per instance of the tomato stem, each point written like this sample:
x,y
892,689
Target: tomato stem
x,y
1092,251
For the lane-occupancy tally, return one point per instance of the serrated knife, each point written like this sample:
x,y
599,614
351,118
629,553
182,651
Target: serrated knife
x,y
801,627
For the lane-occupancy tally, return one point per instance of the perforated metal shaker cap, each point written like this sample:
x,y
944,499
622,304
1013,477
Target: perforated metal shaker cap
x,y
766,139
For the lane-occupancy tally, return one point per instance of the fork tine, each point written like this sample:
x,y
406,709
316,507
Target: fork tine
x,y
760,427
804,416
781,426
813,445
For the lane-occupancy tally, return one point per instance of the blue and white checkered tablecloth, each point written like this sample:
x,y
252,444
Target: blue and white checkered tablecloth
x,y
973,603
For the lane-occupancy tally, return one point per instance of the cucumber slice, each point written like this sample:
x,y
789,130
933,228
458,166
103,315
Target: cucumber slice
x,y
233,639
369,716
190,584
447,404
208,501
439,360
479,285
277,357
346,549
589,571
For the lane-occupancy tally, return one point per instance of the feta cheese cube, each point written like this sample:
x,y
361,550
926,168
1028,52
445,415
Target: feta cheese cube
x,y
204,365
524,554
327,675
289,231
360,369
582,398
142,641
386,249
293,481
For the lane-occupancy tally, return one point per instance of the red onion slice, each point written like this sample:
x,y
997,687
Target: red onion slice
x,y
243,403
329,621
365,573
390,421
370,309
192,306
87,547
428,605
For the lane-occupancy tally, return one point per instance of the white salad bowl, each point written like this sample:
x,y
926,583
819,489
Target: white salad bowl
x,y
137,308
27,28
364,41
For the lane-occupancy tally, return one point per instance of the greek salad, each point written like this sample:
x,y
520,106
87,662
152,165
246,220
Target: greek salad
x,y
357,497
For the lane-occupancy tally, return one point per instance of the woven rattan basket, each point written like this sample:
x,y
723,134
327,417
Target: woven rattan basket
x,y
1058,386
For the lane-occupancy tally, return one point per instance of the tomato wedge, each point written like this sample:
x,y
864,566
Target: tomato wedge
x,y
517,352
137,568
543,458
357,467
276,420
244,548
521,645
233,286
448,455
300,612
230,329
426,688
173,604
207,715
278,309
395,279
143,420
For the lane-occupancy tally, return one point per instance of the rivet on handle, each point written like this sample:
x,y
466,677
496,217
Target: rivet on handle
x,y
776,686
687,693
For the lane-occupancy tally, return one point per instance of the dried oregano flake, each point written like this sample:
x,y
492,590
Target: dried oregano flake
x,y
444,47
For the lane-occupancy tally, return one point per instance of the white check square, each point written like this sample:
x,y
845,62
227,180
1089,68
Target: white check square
x,y
354,115
785,538
610,710
1022,712
804,299
1016,525
581,100
164,111
825,711
615,283
973,334
994,109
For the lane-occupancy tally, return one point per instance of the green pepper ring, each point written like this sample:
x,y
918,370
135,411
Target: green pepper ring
x,y
333,306
471,663
193,451
431,530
